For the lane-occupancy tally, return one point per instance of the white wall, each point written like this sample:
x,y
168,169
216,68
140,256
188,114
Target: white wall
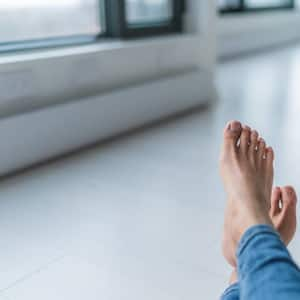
x,y
34,81
241,33
201,20
42,134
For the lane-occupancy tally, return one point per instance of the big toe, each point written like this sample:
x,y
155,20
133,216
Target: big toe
x,y
232,134
275,202
289,197
283,201
285,220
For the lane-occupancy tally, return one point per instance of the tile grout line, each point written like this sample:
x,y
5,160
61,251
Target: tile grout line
x,y
31,274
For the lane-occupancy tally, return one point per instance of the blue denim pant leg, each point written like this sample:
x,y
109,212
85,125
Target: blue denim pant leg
x,y
265,268
232,293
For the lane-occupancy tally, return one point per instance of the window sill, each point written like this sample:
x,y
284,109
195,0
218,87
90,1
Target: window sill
x,y
31,80
107,44
235,23
258,10
238,34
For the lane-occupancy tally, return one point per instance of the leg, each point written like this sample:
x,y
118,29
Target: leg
x,y
283,216
232,293
246,175
266,270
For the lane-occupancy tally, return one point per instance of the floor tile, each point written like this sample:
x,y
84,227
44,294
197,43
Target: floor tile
x,y
74,279
141,217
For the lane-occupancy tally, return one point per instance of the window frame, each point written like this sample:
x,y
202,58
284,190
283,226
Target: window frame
x,y
118,27
244,9
113,12
46,43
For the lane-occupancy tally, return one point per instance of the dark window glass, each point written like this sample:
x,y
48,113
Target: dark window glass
x,y
229,4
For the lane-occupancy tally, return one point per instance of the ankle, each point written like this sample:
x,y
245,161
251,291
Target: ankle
x,y
247,222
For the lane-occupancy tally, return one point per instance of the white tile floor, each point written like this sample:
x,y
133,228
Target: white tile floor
x,y
141,218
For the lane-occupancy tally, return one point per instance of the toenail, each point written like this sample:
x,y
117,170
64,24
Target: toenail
x,y
269,151
262,141
254,135
235,126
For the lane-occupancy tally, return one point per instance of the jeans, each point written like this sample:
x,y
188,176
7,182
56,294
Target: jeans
x,y
266,270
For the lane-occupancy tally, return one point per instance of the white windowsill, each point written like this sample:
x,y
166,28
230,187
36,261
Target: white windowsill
x,y
107,44
239,23
32,80
243,33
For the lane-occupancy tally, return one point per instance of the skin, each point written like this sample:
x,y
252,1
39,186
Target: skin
x,y
283,212
246,167
283,215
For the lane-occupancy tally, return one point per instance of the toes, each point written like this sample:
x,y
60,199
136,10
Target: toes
x,y
232,134
287,219
254,139
258,152
245,139
261,149
269,156
253,145
283,200
275,202
289,196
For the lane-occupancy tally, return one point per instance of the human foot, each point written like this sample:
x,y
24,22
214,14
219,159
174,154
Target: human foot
x,y
246,166
283,212
283,215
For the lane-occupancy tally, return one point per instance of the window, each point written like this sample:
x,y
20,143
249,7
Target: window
x,y
254,5
148,11
30,20
139,18
35,23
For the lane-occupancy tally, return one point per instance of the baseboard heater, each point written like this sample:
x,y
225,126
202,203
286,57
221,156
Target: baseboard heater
x,y
33,137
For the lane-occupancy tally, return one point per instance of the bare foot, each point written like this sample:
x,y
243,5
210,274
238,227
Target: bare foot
x,y
246,166
283,212
283,215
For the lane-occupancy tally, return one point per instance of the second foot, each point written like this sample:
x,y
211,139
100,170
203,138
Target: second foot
x,y
283,213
